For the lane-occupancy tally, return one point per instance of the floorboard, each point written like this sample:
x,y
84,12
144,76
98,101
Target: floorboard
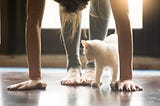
x,y
57,95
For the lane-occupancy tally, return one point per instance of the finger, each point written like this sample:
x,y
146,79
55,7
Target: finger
x,y
14,87
138,88
133,87
41,85
23,87
127,87
114,85
120,86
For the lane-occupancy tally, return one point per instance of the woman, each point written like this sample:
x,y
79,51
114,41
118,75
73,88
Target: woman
x,y
99,13
71,39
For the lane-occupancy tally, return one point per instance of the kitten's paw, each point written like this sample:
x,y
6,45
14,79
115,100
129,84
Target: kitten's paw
x,y
96,84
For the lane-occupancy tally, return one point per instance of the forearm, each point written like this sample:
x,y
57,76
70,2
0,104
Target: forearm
x,y
120,12
33,37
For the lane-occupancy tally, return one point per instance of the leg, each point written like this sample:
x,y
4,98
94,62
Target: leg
x,y
115,73
33,46
120,12
114,76
71,39
99,18
98,74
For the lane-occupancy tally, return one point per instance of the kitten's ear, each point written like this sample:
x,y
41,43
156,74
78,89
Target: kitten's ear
x,y
84,43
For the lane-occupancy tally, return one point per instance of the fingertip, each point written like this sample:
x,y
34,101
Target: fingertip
x,y
120,88
8,88
139,88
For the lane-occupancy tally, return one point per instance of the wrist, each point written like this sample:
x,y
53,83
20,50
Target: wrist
x,y
35,79
122,78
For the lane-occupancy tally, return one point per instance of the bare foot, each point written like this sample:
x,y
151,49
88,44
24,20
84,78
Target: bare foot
x,y
87,78
72,77
126,85
28,85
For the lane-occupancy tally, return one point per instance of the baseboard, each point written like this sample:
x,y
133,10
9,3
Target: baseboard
x,y
59,61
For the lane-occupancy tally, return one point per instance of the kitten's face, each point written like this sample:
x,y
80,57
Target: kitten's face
x,y
87,50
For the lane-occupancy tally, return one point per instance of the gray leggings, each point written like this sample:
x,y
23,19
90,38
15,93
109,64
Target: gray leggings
x,y
99,18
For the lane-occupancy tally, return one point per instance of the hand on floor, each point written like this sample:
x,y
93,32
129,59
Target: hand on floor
x,y
126,85
28,85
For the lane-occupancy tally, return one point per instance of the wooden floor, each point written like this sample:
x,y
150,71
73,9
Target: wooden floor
x,y
57,95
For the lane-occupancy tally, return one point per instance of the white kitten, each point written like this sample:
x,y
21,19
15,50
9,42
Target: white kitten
x,y
105,54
